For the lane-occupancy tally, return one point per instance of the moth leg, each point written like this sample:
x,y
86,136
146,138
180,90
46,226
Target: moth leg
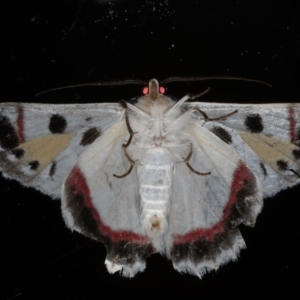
x,y
185,98
132,162
206,118
199,94
131,132
187,159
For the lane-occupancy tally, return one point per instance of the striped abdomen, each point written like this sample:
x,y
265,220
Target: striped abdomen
x,y
155,173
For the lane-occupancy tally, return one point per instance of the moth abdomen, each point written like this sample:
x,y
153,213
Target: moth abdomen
x,y
155,182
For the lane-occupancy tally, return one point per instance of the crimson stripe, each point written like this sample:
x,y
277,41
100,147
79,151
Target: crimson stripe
x,y
293,135
77,181
241,174
20,124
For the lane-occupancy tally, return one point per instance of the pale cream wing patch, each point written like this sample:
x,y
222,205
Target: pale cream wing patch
x,y
45,149
32,160
280,155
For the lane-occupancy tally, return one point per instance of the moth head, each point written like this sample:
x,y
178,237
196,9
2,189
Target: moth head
x,y
153,90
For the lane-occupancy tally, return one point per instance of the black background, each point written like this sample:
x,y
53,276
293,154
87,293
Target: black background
x,y
46,44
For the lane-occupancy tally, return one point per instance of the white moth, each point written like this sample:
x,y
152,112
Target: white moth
x,y
160,176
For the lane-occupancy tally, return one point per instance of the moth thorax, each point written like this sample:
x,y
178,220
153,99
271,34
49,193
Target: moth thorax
x,y
155,173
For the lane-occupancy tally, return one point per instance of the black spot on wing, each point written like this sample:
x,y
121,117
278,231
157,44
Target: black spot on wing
x,y
34,165
223,134
8,135
263,168
89,136
254,123
57,123
52,169
18,152
282,165
296,153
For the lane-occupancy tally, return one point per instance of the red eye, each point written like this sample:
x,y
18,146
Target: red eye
x,y
162,90
145,90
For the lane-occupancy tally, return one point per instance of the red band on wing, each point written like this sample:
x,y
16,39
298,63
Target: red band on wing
x,y
293,134
20,124
76,181
241,177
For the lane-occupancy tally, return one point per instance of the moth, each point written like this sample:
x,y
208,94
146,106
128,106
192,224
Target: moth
x,y
159,176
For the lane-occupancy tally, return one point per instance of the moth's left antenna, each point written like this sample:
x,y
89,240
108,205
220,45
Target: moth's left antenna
x,y
190,79
107,83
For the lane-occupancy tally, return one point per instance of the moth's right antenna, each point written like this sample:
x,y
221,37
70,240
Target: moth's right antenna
x,y
106,83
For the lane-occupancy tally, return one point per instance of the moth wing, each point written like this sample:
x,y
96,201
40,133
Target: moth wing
x,y
104,207
206,209
266,137
278,120
40,143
